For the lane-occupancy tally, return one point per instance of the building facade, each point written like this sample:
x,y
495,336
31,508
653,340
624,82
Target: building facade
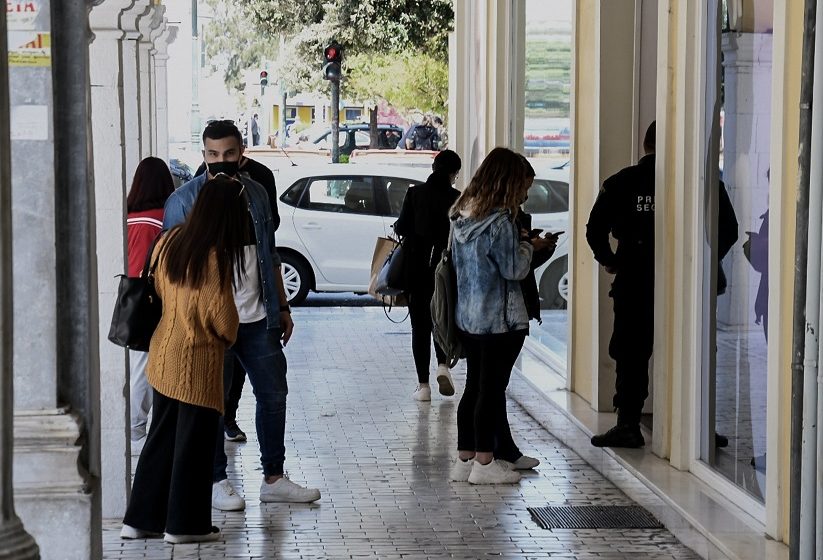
x,y
723,82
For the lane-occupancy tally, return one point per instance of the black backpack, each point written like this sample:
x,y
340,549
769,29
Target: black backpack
x,y
444,307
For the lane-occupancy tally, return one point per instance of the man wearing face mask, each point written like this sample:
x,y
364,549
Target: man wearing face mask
x,y
265,322
263,175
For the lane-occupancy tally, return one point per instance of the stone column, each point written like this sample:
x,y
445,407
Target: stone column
x,y
56,427
161,57
154,39
604,123
108,137
146,25
39,422
131,83
15,543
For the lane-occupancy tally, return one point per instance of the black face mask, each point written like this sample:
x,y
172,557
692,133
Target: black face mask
x,y
230,168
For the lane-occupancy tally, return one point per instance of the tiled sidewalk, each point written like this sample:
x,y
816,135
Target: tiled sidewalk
x,y
381,461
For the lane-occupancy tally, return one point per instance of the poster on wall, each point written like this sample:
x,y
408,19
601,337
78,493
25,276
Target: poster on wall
x,y
29,48
29,42
21,15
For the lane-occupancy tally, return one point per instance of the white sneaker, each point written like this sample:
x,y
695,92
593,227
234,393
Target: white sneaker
x,y
508,465
284,490
525,463
460,470
212,535
423,392
445,381
493,473
129,532
225,498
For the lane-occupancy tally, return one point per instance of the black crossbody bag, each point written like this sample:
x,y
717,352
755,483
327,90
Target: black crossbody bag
x,y
138,308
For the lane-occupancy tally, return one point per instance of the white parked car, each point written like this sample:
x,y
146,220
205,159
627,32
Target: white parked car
x,y
548,203
332,214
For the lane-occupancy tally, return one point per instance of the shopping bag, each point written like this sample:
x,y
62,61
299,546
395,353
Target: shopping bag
x,y
383,249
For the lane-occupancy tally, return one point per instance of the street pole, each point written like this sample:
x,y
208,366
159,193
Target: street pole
x,y
195,80
335,121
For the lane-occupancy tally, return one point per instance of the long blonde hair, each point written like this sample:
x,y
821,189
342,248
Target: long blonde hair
x,y
501,182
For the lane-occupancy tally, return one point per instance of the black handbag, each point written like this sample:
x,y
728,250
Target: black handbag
x,y
391,280
138,308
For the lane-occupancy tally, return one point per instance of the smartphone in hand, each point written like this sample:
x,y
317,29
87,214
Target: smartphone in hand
x,y
556,234
535,232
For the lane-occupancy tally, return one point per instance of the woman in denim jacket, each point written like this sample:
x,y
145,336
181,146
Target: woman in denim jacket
x,y
490,257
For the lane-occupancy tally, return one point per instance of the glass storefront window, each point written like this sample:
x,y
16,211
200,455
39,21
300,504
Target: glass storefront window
x,y
546,138
739,70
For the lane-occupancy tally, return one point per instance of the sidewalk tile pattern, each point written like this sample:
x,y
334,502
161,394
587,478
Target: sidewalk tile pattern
x,y
381,461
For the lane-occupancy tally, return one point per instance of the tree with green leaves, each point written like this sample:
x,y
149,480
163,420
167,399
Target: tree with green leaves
x,y
395,50
234,45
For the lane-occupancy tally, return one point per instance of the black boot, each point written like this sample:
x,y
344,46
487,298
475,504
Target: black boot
x,y
622,435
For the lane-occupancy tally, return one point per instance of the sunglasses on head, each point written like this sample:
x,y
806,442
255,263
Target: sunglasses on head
x,y
222,175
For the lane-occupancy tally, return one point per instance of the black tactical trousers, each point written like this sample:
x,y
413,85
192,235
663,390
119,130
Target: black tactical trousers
x,y
631,343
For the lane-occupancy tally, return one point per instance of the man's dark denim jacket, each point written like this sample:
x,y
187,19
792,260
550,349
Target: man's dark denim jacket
x,y
180,204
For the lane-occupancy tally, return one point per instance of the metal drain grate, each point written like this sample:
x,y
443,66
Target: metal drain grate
x,y
594,517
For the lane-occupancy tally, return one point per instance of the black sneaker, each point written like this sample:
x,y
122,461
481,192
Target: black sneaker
x,y
233,431
620,436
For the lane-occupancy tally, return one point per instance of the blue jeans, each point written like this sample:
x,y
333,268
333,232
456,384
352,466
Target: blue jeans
x,y
261,355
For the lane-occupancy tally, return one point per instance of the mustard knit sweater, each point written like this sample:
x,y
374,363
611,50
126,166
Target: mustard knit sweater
x,y
186,350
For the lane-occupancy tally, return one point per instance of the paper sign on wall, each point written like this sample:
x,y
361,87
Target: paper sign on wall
x,y
21,15
29,122
29,48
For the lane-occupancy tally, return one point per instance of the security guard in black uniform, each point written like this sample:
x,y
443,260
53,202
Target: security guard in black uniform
x,y
625,208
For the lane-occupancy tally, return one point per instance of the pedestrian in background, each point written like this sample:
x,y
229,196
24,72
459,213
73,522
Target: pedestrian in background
x,y
442,133
424,224
424,136
624,209
490,258
150,188
197,271
255,131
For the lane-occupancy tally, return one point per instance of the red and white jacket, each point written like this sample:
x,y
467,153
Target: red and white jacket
x,y
143,228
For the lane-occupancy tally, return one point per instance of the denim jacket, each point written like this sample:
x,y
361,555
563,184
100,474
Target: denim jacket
x,y
180,204
490,261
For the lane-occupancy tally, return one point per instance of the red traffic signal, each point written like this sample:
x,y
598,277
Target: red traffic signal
x,y
264,78
333,52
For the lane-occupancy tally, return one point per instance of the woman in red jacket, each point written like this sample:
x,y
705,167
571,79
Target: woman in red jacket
x,y
150,188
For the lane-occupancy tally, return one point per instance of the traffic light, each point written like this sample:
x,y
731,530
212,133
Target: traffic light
x,y
332,57
264,78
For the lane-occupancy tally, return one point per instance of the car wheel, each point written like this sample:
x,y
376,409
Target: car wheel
x,y
554,285
296,278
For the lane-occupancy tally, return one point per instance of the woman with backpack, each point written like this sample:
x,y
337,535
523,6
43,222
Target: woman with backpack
x,y
199,264
491,257
424,224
